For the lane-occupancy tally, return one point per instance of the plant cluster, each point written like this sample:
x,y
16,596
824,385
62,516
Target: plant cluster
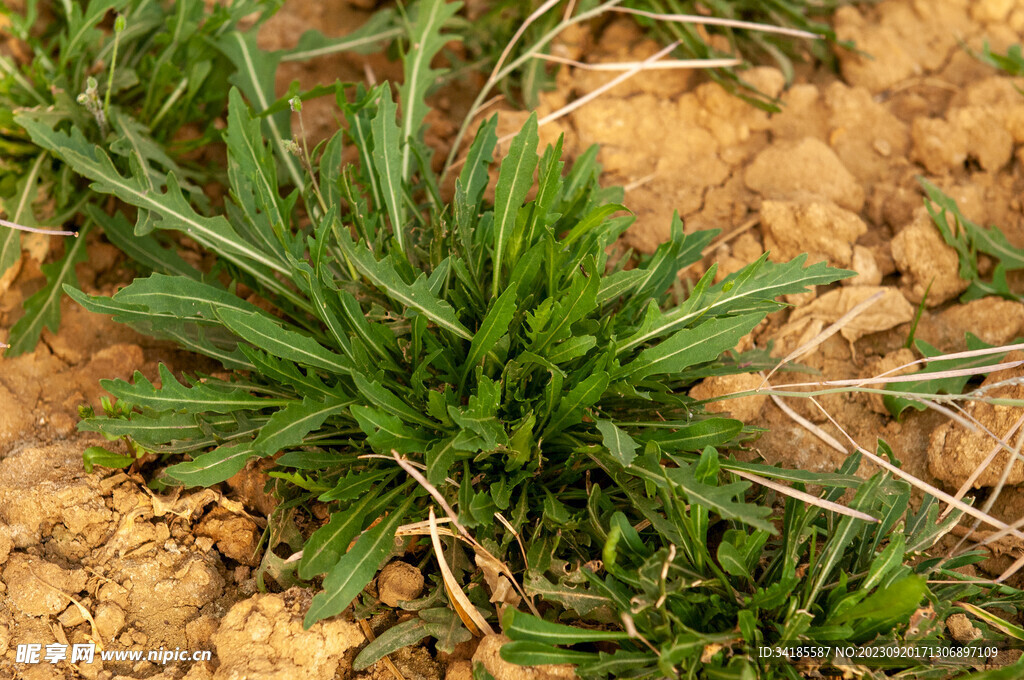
x,y
392,348
132,88
148,83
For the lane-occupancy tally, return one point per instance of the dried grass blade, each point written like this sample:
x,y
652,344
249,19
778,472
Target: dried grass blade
x,y
824,335
718,21
469,614
919,483
669,64
37,230
809,426
806,497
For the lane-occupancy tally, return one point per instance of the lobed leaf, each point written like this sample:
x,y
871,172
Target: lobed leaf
x,y
356,567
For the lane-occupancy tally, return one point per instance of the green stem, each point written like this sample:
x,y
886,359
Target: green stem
x,y
118,29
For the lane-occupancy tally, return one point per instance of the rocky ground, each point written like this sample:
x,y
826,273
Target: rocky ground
x,y
100,557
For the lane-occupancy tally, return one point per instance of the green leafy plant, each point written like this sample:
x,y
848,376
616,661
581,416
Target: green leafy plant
x,y
969,240
388,344
929,387
488,36
753,46
131,89
146,81
1012,63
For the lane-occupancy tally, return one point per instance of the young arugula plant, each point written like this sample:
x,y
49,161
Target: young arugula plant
x,y
754,46
131,90
703,593
148,90
496,348
970,239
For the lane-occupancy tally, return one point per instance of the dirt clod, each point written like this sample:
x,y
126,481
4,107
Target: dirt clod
x,y
399,581
889,311
459,670
823,230
40,588
955,453
262,638
961,628
804,168
236,536
924,259
994,320
488,654
743,408
109,619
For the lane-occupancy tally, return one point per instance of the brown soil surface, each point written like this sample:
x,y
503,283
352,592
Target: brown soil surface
x,y
99,557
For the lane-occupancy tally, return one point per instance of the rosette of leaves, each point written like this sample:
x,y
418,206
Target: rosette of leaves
x,y
495,345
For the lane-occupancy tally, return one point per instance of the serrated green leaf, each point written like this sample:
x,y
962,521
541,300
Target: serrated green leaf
x,y
523,627
288,426
175,212
731,560
329,542
570,408
385,431
380,27
619,444
253,178
754,288
494,325
356,568
579,301
394,638
355,484
260,330
439,458
578,598
215,466
537,654
181,298
470,185
621,664
255,71
171,207
416,296
173,396
571,349
697,435
890,558
446,628
97,455
690,346
382,397
426,40
148,431
896,600
721,499
619,284
83,27
386,159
